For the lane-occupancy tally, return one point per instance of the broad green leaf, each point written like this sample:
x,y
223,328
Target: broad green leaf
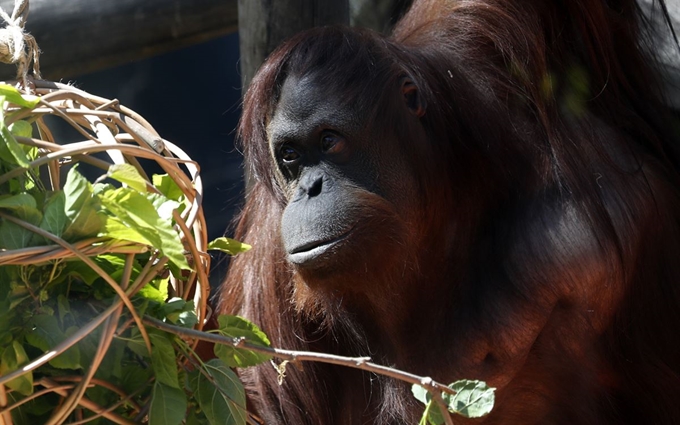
x,y
77,191
163,205
163,360
45,334
222,397
238,327
54,217
432,413
473,399
420,393
29,214
14,96
228,245
180,312
128,174
155,291
167,186
18,200
13,236
168,405
88,222
21,128
12,358
137,212
10,150
23,206
81,208
115,228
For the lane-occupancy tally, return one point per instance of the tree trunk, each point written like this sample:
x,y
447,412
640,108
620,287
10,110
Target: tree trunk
x,y
264,24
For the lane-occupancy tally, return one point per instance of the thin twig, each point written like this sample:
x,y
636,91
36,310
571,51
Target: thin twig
x,y
362,363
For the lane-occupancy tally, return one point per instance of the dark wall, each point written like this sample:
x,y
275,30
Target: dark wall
x,y
192,98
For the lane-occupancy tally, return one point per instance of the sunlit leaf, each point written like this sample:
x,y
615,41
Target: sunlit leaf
x,y
473,399
77,191
21,128
168,186
10,150
128,174
81,207
137,212
228,245
13,95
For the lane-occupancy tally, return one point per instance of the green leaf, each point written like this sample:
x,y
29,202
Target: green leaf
x,y
221,396
167,186
163,205
238,327
10,150
12,358
18,200
137,212
180,312
81,207
168,405
88,222
21,128
420,393
128,174
228,245
432,414
156,290
13,95
163,360
77,191
473,399
13,236
115,228
45,334
54,217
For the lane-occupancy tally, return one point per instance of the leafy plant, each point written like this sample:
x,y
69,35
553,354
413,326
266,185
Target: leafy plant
x,y
82,266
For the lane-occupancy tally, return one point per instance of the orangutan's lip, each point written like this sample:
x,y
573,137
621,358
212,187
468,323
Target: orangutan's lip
x,y
310,251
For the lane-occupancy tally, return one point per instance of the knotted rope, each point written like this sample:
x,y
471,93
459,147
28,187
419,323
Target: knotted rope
x,y
16,45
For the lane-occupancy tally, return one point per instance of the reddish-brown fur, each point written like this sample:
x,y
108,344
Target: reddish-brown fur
x,y
543,255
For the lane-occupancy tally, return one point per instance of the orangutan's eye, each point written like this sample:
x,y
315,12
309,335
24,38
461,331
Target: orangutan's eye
x,y
332,143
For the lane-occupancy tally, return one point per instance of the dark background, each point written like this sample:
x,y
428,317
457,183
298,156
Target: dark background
x,y
192,98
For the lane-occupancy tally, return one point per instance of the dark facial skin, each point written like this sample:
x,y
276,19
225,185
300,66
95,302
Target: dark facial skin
x,y
338,180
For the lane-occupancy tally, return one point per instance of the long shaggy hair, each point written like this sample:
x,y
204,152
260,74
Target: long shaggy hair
x,y
550,167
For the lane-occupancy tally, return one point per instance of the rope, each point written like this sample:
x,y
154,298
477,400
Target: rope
x,y
16,45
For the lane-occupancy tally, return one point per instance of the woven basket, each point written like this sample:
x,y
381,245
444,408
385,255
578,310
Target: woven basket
x,y
105,126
